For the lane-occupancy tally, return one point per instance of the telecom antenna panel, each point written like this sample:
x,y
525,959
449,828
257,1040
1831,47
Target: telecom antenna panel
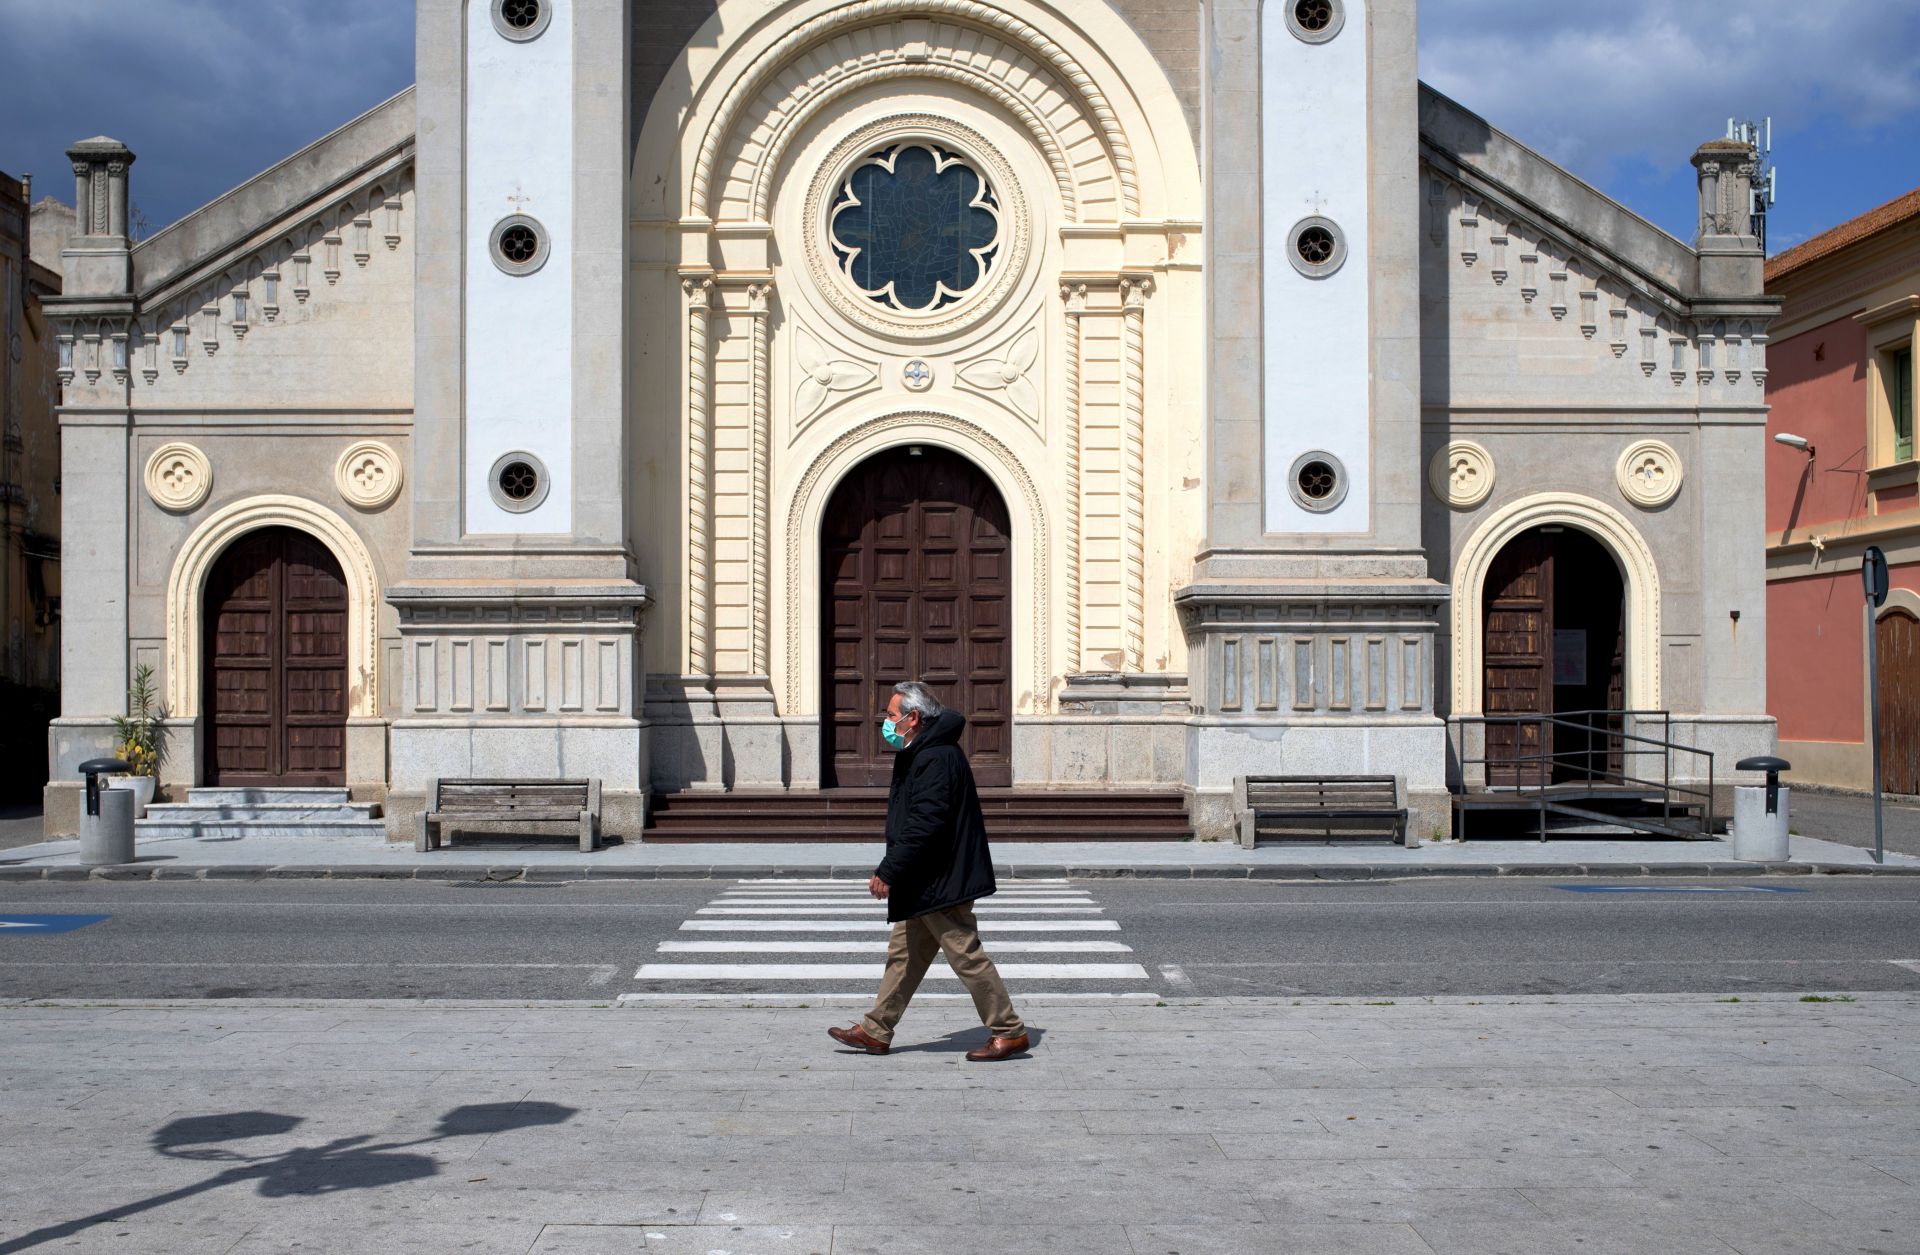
x,y
1766,185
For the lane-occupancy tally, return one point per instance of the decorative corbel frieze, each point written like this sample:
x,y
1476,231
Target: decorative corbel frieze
x,y
119,354
90,363
362,240
330,246
301,261
210,328
241,312
178,334
1498,240
150,354
1529,276
392,205
1469,224
270,294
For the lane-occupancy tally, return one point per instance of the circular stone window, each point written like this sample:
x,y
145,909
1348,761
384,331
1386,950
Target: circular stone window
x,y
521,20
518,244
917,228
1317,481
1315,21
1317,247
518,482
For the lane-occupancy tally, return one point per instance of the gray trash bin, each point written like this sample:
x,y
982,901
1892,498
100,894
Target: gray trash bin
x,y
106,821
1760,813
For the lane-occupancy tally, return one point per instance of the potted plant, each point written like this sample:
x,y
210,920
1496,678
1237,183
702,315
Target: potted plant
x,y
143,739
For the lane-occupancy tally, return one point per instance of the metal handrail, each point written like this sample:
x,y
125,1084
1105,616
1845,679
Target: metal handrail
x,y
1610,739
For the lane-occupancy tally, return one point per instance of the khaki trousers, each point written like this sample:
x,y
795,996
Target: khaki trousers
x,y
910,951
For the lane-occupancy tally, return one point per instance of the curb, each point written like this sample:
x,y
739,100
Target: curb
x,y
549,874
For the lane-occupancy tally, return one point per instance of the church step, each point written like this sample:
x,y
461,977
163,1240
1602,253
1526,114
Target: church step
x,y
155,829
1052,833
199,811
218,796
845,815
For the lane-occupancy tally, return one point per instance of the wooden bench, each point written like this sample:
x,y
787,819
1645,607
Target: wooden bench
x,y
510,801
1322,802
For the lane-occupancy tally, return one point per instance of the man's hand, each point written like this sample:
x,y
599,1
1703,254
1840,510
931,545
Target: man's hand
x,y
877,887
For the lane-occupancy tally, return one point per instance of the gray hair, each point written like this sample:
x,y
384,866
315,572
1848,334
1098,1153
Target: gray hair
x,y
916,699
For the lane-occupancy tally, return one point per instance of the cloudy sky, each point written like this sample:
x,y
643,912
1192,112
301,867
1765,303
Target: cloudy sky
x,y
210,92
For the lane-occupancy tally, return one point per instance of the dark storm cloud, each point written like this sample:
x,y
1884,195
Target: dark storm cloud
x,y
207,93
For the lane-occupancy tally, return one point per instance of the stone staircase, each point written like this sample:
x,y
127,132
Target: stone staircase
x,y
215,812
833,815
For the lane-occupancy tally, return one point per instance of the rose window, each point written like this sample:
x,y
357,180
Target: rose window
x,y
915,228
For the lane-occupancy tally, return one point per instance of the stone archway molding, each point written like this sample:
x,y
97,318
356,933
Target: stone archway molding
x,y
1032,550
186,588
1605,524
777,59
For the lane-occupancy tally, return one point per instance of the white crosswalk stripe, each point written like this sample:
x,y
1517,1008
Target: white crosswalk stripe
x,y
827,938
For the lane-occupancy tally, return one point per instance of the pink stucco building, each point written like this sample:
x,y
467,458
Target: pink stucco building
x,y
1841,378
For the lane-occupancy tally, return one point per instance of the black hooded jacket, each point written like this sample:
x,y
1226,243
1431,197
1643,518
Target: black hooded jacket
x,y
936,837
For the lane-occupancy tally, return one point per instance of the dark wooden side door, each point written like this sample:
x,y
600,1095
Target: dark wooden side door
x,y
275,668
1897,634
1517,628
916,584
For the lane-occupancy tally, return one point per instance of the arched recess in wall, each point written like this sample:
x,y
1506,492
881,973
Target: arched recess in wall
x,y
1032,543
186,588
1605,524
753,72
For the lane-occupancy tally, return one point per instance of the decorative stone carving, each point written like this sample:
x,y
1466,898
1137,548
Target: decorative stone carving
x,y
1461,474
1648,473
178,477
821,376
917,375
368,475
1008,371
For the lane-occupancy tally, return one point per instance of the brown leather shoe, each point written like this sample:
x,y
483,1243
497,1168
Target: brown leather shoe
x,y
858,1039
998,1048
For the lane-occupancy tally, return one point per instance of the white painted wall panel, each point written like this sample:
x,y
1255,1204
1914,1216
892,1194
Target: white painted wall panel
x,y
1313,121
519,329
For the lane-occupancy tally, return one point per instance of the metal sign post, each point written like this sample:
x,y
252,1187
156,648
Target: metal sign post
x,y
1873,581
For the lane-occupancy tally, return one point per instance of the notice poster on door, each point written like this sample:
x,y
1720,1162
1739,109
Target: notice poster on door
x,y
1569,657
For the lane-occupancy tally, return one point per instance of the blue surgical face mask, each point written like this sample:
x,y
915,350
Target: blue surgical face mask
x,y
891,735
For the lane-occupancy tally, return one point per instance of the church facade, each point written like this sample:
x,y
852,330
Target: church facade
x,y
1181,388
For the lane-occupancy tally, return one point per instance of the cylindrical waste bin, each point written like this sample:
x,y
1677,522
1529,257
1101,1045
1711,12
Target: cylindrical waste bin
x,y
1760,813
106,821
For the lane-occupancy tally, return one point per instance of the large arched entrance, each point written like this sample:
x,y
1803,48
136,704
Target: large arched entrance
x,y
274,664
916,583
1553,627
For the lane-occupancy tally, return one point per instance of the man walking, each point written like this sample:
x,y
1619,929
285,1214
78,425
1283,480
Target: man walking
x,y
936,866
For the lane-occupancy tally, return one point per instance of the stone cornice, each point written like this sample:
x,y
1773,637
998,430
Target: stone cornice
x,y
1465,147
366,150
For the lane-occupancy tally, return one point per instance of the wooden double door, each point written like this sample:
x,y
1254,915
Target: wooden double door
x,y
916,585
1553,627
275,664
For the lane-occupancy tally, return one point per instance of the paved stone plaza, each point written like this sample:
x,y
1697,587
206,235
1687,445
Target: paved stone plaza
x,y
1626,1124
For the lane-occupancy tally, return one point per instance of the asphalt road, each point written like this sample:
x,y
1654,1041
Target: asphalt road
x,y
373,939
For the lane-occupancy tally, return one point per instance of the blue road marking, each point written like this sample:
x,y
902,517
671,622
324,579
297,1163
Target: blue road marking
x,y
1682,889
24,925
